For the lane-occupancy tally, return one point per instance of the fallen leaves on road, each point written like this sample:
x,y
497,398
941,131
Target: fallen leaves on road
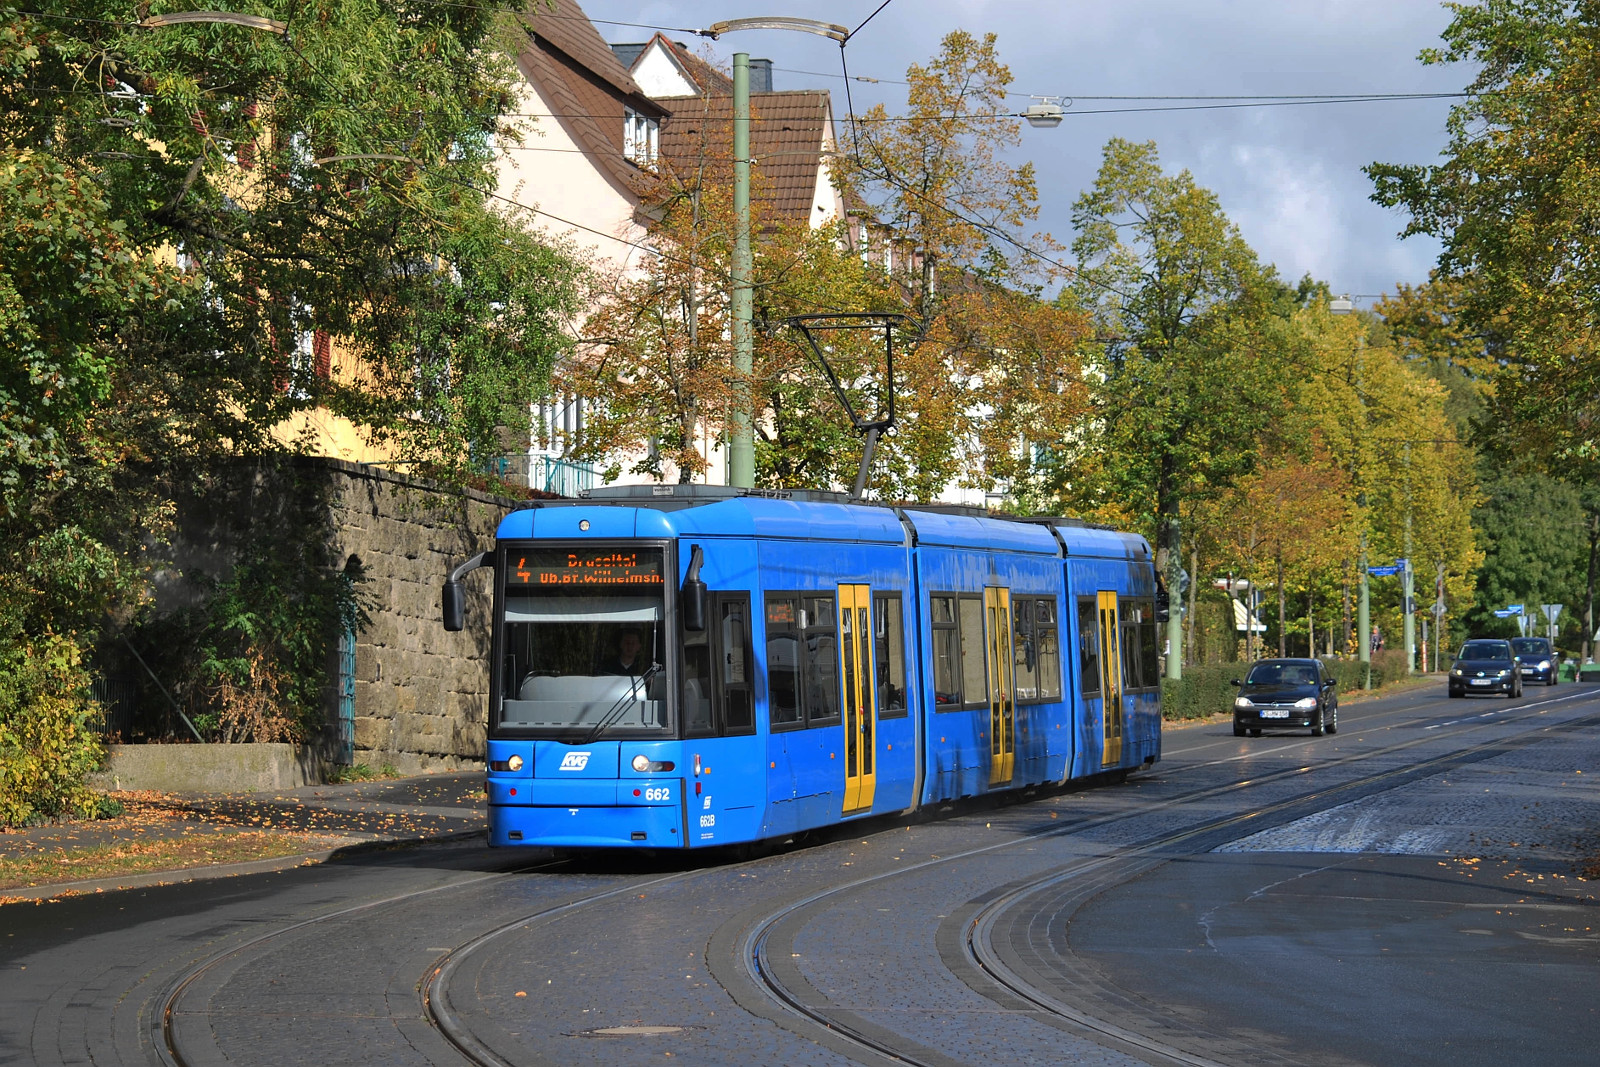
x,y
51,866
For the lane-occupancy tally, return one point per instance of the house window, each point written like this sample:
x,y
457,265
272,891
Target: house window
x,y
641,137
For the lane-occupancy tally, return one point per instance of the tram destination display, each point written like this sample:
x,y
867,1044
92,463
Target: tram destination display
x,y
583,566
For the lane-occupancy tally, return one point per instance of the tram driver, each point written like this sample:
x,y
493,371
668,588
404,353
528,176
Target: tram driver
x,y
628,661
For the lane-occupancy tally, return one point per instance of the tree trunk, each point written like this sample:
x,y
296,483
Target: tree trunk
x,y
1282,615
1345,602
1194,585
1311,623
1588,606
1169,549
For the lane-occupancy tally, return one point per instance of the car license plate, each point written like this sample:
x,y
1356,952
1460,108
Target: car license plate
x,y
1483,681
1274,713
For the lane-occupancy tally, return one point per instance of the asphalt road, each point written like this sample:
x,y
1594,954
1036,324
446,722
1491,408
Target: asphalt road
x,y
1402,891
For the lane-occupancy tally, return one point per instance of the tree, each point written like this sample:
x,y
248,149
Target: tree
x,y
1190,376
1513,203
997,370
182,209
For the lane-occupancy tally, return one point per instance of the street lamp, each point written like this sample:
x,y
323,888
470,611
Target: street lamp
x,y
741,440
1045,113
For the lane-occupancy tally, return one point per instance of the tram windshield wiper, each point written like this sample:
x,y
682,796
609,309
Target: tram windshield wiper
x,y
610,718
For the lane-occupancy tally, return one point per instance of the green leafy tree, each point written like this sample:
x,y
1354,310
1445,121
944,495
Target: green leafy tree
x,y
1190,376
996,372
1513,203
182,208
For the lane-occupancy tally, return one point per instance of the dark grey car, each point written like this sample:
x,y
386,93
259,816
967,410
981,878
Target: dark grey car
x,y
1486,665
1536,658
1286,693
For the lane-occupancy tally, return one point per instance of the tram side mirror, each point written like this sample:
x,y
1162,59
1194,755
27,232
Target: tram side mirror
x,y
694,605
455,605
693,596
454,600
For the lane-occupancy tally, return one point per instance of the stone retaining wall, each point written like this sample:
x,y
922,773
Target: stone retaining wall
x,y
208,768
421,693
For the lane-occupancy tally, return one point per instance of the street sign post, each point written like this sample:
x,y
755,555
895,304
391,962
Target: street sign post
x,y
1552,612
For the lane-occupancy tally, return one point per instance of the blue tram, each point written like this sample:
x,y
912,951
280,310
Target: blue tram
x,y
685,666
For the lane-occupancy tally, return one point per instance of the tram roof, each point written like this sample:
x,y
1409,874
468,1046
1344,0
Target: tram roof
x,y
667,511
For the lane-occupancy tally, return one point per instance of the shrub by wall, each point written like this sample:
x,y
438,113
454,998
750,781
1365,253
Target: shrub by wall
x,y
47,741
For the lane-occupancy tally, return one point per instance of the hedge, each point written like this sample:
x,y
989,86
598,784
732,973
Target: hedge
x,y
1207,689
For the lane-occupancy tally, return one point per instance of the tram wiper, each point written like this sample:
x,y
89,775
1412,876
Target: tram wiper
x,y
609,719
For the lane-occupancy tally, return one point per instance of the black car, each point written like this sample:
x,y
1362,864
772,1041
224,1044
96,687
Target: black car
x,y
1486,665
1281,693
1536,658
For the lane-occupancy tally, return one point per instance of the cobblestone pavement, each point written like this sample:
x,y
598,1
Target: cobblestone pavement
x,y
1118,898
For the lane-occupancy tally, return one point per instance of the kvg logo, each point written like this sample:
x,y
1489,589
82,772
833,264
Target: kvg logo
x,y
575,761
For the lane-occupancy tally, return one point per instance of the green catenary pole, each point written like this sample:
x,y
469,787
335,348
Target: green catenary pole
x,y
741,448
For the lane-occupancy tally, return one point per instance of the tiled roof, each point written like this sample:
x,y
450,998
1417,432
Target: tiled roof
x,y
786,131
584,81
701,73
709,78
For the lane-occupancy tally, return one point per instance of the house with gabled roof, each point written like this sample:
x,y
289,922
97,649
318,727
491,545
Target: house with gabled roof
x,y
593,133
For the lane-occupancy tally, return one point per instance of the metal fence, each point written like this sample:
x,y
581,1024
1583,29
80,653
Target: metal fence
x,y
119,702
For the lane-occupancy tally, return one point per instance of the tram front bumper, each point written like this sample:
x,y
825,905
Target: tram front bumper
x,y
604,813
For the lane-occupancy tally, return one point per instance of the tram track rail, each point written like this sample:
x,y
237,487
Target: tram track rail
x,y
760,949
777,982
163,1027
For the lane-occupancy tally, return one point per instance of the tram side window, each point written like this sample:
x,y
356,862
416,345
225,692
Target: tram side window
x,y
698,720
733,678
1089,645
783,661
1037,648
889,653
1149,644
974,676
820,626
802,661
1130,634
1047,635
946,654
1024,651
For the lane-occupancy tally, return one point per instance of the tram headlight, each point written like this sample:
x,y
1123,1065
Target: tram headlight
x,y
1243,703
514,763
645,765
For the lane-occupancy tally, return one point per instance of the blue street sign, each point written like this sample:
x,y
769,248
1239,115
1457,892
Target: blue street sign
x,y
1384,571
1513,609
1501,613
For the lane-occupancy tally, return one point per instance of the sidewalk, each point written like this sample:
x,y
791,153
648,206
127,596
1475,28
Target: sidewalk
x,y
165,837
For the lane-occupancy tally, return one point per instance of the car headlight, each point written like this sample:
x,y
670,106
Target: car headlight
x,y
1503,674
1242,703
1456,672
1306,703
1544,665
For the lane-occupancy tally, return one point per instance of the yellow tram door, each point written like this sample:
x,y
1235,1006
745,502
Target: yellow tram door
x,y
860,706
1110,679
1002,686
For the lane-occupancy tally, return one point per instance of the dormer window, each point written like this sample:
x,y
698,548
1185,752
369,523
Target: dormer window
x,y
641,137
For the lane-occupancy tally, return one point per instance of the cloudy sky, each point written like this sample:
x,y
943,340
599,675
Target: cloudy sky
x,y
1290,176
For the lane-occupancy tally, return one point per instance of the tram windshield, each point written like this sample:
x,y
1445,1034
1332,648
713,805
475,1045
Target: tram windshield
x,y
584,641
